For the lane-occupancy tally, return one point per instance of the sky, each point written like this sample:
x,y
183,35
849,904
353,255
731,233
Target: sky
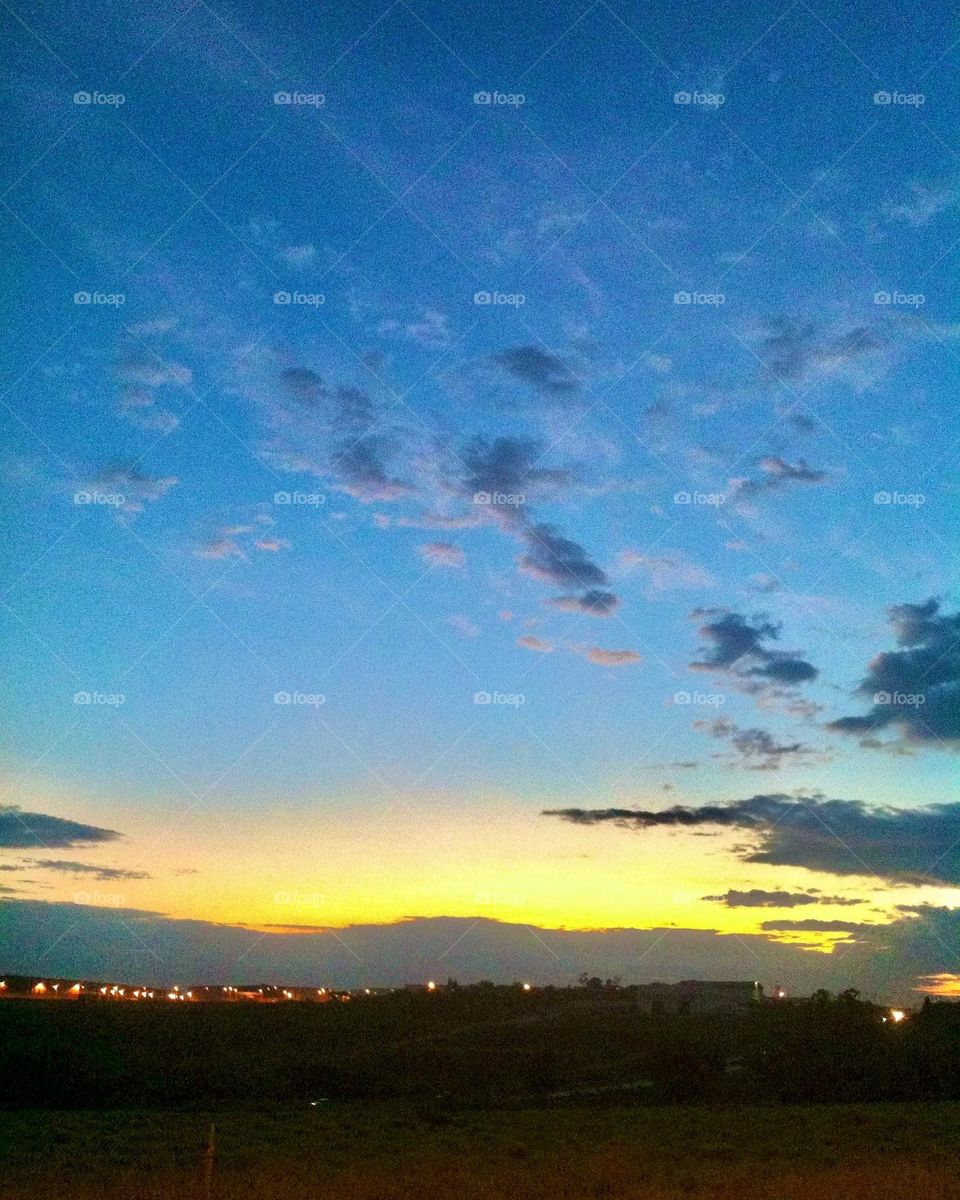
x,y
482,490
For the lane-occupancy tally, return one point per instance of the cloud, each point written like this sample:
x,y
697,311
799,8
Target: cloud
x,y
754,749
915,690
536,644
298,256
758,898
364,474
150,371
303,384
839,837
593,603
134,488
608,658
20,829
552,558
509,466
442,554
924,205
93,942
777,474
431,330
463,625
813,925
101,874
738,649
668,571
547,372
220,547
271,545
797,353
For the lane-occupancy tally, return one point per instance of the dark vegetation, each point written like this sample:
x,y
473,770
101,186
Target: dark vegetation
x,y
480,1046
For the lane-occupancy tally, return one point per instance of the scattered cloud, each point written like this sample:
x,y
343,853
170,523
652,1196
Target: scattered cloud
x,y
668,571
528,642
915,690
839,837
19,829
552,558
608,658
739,649
540,369
442,554
759,898
777,473
593,603
799,353
754,749
101,874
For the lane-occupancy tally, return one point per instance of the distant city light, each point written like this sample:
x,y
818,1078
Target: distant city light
x,y
431,986
897,1015
526,987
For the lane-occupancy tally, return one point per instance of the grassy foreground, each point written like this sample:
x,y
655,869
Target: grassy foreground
x,y
350,1152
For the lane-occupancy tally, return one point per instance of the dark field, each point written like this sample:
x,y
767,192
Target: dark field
x,y
875,1152
485,1092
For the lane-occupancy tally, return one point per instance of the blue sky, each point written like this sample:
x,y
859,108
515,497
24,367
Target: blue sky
x,y
292,293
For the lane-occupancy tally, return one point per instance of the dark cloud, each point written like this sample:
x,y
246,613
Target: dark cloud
x,y
777,474
100,873
540,369
758,898
303,384
886,961
20,829
363,472
915,690
509,466
555,559
796,353
812,925
593,603
839,837
738,648
754,749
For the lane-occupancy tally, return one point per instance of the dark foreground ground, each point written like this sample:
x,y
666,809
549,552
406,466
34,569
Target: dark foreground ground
x,y
390,1150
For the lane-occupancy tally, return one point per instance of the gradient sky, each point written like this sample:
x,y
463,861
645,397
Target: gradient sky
x,y
598,362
